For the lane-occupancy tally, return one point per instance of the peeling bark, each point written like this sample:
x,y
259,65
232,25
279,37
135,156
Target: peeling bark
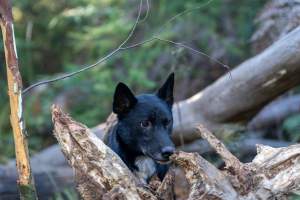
x,y
241,174
14,80
166,188
100,173
273,174
206,181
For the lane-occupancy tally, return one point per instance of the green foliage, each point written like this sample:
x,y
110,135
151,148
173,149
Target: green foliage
x,y
66,194
27,192
55,36
291,125
294,197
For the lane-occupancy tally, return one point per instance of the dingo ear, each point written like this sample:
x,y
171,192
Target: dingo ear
x,y
124,99
166,90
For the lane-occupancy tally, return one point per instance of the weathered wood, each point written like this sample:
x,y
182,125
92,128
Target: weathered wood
x,y
275,112
99,172
166,188
273,174
52,173
14,80
242,179
229,159
279,169
206,181
243,147
254,83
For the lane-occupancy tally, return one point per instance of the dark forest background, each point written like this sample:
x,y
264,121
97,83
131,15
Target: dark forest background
x,y
57,36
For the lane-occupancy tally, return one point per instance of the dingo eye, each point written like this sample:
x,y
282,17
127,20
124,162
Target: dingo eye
x,y
166,122
145,124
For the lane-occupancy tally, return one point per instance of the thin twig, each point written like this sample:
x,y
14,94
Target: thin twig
x,y
180,44
193,50
139,44
121,46
229,159
147,12
94,64
183,13
154,35
64,76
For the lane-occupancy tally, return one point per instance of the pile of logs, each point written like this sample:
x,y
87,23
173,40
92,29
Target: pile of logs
x,y
101,174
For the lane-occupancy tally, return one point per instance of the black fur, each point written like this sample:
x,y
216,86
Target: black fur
x,y
141,136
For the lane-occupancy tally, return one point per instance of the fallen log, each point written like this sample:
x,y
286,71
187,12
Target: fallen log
x,y
243,146
274,113
100,173
53,175
231,97
273,173
50,169
254,83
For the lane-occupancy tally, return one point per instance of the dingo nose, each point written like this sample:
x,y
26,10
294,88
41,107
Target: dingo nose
x,y
167,151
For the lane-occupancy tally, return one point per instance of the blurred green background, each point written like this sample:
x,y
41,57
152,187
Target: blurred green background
x,y
58,36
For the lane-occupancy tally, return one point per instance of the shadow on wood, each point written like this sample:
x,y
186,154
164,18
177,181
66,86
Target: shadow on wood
x,y
100,173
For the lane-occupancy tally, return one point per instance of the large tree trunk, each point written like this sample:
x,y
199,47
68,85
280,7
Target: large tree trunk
x,y
254,83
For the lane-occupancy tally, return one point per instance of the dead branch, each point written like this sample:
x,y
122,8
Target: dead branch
x,y
273,174
229,159
265,76
244,146
206,181
98,170
242,174
166,188
14,80
100,173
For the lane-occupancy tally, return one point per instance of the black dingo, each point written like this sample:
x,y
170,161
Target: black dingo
x,y
142,135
